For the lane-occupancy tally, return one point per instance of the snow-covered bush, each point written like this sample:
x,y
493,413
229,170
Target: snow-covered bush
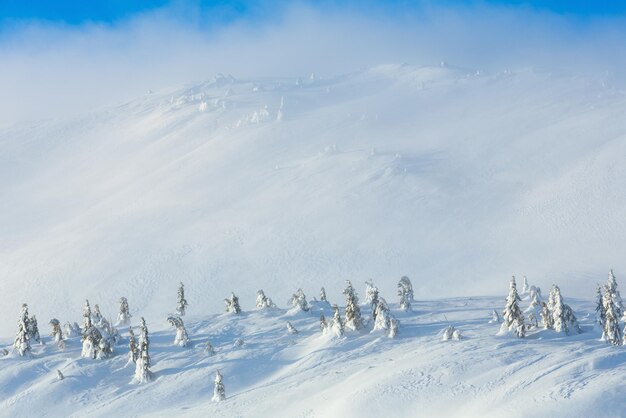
x,y
291,329
451,333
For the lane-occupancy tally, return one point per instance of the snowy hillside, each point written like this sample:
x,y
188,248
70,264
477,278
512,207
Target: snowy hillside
x,y
454,177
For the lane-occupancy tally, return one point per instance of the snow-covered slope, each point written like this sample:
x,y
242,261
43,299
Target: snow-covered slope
x,y
276,374
453,177
456,178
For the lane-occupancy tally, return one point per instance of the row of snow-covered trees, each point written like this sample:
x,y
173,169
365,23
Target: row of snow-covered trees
x,y
558,316
99,337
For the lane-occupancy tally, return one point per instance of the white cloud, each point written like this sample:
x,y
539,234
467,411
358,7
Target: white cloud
x,y
49,70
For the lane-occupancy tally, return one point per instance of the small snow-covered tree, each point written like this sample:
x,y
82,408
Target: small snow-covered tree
x,y
451,333
405,291
142,365
71,330
323,295
86,316
22,337
263,302
384,319
352,311
558,314
512,315
525,287
57,332
535,301
181,339
123,316
546,316
291,329
600,314
323,324
232,304
495,318
614,293
60,375
337,323
298,301
182,304
96,316
371,297
612,332
209,349
219,392
133,350
33,329
91,342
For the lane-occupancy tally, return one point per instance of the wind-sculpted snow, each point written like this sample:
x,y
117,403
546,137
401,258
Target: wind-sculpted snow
x,y
365,374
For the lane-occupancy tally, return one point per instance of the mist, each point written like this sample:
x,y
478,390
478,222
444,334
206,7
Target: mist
x,y
50,70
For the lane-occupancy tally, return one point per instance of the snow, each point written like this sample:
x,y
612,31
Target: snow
x,y
456,178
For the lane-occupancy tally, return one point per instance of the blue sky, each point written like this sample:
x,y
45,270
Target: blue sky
x,y
75,12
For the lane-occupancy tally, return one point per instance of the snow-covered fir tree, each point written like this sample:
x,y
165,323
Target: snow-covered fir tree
x,y
33,329
142,365
96,316
525,286
182,304
291,329
405,291
219,392
371,297
337,323
600,314
91,341
123,316
262,301
22,337
232,304
513,320
71,330
323,295
558,314
535,301
133,349
323,324
60,375
57,332
546,316
298,301
384,319
86,316
181,339
615,296
352,311
495,317
612,332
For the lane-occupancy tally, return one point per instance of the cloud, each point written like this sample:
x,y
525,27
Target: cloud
x,y
54,70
